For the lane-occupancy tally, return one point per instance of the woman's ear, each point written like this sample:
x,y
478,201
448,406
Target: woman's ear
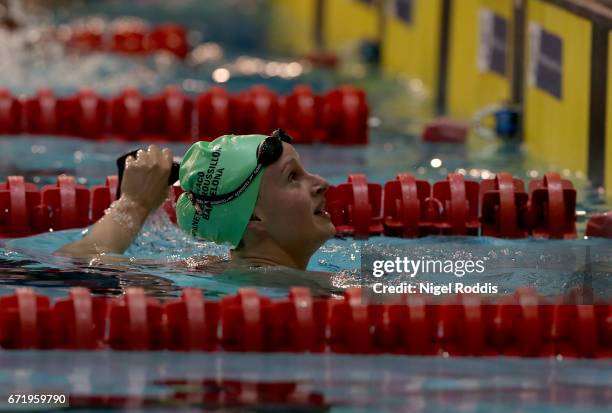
x,y
256,222
257,214
255,232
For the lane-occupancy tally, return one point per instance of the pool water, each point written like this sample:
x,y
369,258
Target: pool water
x,y
157,259
242,382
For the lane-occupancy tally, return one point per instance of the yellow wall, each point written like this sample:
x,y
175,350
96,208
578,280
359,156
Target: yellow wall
x,y
349,21
293,31
469,89
608,164
413,49
557,131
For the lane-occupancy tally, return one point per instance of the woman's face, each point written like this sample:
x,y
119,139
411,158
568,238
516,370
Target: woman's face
x,y
291,205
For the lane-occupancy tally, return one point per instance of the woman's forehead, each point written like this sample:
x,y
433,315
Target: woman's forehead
x,y
289,155
288,149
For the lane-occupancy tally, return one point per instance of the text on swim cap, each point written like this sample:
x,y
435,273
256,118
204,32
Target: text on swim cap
x,y
207,183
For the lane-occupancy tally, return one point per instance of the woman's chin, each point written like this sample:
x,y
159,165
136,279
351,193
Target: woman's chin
x,y
330,232
325,230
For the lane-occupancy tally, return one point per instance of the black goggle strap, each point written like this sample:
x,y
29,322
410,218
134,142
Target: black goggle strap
x,y
201,202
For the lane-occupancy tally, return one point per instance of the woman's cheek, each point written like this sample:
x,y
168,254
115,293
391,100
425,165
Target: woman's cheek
x,y
296,201
294,205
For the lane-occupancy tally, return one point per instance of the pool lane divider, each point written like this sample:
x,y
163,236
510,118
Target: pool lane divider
x,y
339,116
404,207
522,324
128,37
499,207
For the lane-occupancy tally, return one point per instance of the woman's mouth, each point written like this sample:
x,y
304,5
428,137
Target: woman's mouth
x,y
322,212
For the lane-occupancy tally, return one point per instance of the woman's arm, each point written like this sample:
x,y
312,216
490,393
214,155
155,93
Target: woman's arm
x,y
143,189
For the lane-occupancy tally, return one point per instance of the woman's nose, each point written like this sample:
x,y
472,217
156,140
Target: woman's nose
x,y
320,185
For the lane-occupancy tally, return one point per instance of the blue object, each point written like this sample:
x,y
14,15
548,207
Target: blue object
x,y
370,52
506,122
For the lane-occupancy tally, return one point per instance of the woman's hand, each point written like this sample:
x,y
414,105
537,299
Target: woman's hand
x,y
143,189
145,180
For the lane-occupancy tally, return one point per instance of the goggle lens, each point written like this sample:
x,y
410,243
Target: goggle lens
x,y
271,148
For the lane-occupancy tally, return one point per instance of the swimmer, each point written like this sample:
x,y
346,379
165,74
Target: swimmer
x,y
250,192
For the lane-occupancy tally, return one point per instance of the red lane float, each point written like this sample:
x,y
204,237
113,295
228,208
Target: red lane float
x,y
83,114
523,324
349,324
127,115
459,199
570,330
242,321
91,114
67,202
551,208
446,130
131,37
135,322
600,225
409,210
472,325
256,110
11,113
503,206
355,207
214,110
79,321
170,37
41,113
18,201
86,37
460,327
301,113
340,117
524,337
25,321
191,322
345,115
294,323
167,116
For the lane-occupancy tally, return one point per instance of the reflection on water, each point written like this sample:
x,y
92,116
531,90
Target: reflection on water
x,y
309,382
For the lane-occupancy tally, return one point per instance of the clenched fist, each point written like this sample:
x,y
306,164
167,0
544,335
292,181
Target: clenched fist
x,y
145,180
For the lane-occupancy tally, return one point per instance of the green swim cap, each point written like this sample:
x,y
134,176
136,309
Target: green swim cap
x,y
213,169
